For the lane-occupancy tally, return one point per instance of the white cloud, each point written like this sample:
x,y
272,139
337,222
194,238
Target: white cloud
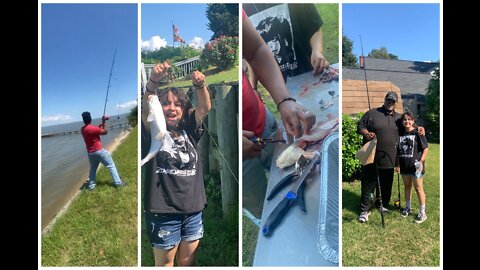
x,y
127,105
56,118
197,43
153,44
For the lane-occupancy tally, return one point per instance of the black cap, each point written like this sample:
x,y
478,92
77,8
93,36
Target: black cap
x,y
392,95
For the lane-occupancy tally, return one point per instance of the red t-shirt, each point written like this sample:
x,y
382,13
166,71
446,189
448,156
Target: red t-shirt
x,y
91,136
253,111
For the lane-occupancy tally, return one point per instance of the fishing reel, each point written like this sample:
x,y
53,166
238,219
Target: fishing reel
x,y
397,204
105,118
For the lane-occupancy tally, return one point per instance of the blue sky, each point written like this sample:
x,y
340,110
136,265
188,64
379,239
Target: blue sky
x,y
410,31
78,43
189,18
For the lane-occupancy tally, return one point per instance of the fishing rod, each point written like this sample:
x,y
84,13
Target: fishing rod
x,y
109,77
362,65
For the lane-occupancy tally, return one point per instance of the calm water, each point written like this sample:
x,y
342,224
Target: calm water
x,y
65,164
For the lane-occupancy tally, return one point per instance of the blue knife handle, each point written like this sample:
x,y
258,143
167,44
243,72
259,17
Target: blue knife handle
x,y
278,213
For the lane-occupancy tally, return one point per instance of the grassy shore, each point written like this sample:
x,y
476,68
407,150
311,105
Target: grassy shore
x,y
100,226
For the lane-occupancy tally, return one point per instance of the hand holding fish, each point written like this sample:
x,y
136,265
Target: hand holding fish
x,y
296,119
159,72
198,79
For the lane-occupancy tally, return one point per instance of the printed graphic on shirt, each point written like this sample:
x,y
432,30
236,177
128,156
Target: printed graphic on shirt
x,y
406,145
275,26
180,157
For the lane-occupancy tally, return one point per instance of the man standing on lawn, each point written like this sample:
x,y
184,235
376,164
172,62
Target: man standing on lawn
x,y
384,124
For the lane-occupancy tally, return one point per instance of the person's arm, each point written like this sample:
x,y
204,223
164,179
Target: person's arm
x,y
260,58
317,59
103,126
362,127
424,155
421,130
424,145
203,97
159,72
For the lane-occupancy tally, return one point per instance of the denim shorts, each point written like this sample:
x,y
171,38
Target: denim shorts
x,y
413,174
165,231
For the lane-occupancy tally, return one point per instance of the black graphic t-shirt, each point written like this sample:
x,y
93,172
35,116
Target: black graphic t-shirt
x,y
287,29
410,148
174,178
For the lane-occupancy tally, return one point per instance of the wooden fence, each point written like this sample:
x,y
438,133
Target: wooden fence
x,y
354,95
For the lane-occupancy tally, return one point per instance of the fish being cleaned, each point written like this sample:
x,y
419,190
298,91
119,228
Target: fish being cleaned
x,y
158,128
308,142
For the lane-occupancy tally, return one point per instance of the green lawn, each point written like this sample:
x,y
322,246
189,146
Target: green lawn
x,y
329,14
100,226
402,242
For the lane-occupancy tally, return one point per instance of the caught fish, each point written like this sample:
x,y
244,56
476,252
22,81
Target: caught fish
x,y
307,142
158,128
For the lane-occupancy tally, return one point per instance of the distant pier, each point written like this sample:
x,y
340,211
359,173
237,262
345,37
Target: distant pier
x,y
63,133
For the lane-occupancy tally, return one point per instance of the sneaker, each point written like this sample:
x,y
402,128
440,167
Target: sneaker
x,y
421,217
122,184
405,212
363,217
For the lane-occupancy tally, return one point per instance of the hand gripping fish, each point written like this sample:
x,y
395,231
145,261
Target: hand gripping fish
x,y
318,132
158,128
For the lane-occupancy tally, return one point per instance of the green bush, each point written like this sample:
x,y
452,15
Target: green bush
x,y
351,142
221,52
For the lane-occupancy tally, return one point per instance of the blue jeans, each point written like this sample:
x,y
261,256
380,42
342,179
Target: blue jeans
x,y
165,231
106,159
254,182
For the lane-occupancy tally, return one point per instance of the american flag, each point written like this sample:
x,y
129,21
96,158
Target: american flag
x,y
176,34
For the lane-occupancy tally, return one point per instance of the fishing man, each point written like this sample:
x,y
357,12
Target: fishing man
x,y
96,153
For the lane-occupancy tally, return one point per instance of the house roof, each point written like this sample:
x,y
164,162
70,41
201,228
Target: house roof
x,y
411,77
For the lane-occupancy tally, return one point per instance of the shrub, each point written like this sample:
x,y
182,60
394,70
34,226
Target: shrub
x,y
221,52
351,143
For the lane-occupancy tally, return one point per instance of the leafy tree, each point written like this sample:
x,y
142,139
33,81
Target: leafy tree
x,y
349,59
223,19
132,116
393,56
382,53
432,112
